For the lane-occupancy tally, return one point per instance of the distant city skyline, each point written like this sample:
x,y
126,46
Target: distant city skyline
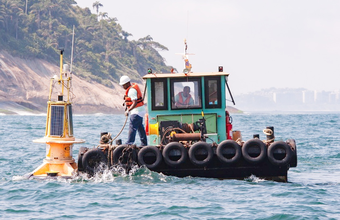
x,y
289,100
262,43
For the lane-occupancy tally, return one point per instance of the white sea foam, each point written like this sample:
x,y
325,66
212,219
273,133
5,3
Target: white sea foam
x,y
253,178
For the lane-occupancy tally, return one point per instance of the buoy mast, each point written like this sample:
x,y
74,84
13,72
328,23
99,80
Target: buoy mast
x,y
59,137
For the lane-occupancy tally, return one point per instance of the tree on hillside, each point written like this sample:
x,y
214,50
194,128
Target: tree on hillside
x,y
36,10
19,16
109,20
6,17
147,42
103,15
11,14
126,35
96,5
102,50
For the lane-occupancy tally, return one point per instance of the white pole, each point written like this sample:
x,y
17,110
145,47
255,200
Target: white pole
x,y
26,8
72,50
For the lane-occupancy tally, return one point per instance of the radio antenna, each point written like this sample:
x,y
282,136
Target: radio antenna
x,y
187,23
72,50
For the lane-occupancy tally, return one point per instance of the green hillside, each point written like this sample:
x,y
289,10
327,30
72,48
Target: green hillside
x,y
102,51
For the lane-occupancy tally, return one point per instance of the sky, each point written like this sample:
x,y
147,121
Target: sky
x,y
261,44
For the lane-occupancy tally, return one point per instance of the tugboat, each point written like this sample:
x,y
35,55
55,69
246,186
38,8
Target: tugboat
x,y
190,134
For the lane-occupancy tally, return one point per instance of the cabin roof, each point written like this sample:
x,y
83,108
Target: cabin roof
x,y
176,75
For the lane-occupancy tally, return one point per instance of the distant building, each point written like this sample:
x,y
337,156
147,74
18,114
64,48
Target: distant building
x,y
321,97
334,97
307,97
287,98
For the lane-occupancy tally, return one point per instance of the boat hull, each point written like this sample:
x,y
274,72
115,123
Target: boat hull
x,y
153,158
240,170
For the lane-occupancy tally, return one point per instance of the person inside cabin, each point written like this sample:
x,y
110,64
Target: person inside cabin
x,y
135,106
184,99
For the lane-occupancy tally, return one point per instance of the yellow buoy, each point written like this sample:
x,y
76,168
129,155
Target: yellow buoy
x,y
58,137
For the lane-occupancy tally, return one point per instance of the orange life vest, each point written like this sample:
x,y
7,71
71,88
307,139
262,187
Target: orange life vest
x,y
128,101
180,99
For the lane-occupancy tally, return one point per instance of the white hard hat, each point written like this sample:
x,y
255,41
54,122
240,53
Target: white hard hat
x,y
124,80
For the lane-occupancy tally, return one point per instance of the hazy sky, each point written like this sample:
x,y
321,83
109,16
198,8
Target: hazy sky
x,y
262,43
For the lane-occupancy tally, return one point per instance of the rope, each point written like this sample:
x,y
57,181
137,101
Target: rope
x,y
191,126
239,141
120,129
170,129
267,131
111,150
268,141
109,156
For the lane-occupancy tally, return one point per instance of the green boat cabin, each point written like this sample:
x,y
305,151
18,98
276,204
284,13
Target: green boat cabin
x,y
207,98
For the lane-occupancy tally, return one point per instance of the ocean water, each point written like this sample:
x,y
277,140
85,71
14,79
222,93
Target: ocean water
x,y
313,190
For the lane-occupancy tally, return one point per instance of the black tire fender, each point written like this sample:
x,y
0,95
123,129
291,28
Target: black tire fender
x,y
227,144
199,146
254,143
293,162
117,152
153,150
276,146
82,151
91,160
174,146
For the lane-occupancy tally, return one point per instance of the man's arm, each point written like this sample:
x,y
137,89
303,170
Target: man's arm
x,y
134,103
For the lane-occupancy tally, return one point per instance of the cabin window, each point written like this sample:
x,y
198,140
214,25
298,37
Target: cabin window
x,y
159,92
186,93
212,92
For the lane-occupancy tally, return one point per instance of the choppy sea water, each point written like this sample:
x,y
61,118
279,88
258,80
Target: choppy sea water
x,y
313,190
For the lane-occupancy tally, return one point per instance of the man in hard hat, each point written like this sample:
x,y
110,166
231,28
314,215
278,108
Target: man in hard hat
x,y
135,106
184,99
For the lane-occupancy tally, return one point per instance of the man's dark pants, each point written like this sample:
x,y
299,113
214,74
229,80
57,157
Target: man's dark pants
x,y
136,124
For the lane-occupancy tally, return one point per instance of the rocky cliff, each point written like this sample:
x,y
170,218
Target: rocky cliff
x,y
24,88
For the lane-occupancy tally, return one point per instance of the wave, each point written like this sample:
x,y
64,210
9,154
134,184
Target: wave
x,y
254,179
104,175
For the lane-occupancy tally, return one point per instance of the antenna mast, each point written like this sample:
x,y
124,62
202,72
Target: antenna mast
x,y
72,50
